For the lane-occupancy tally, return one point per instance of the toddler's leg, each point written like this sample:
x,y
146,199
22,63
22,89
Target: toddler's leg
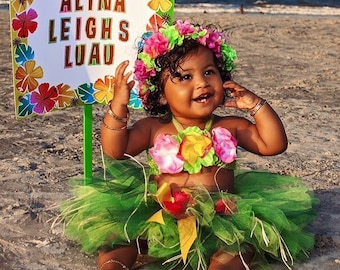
x,y
117,259
222,260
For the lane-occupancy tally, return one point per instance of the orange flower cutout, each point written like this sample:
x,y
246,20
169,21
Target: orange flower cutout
x,y
27,76
155,22
66,95
105,89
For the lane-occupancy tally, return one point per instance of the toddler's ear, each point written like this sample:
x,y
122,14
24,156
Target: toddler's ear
x,y
163,100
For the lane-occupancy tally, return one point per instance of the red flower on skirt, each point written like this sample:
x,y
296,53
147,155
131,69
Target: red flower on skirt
x,y
226,207
178,206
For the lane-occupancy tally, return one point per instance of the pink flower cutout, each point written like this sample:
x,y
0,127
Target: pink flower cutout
x,y
165,154
224,144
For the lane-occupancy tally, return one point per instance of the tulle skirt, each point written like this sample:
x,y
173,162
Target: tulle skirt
x,y
268,212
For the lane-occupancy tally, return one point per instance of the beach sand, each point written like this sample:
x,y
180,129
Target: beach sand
x,y
292,61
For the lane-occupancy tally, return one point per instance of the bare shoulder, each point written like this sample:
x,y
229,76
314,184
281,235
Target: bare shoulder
x,y
141,134
149,126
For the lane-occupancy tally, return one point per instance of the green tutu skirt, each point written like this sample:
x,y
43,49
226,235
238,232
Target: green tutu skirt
x,y
268,212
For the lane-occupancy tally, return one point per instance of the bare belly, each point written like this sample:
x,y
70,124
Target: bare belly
x,y
212,178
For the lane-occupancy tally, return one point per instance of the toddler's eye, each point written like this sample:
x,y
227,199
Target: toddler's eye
x,y
182,77
185,77
209,72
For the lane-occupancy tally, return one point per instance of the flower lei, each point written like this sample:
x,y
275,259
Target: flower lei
x,y
193,148
155,44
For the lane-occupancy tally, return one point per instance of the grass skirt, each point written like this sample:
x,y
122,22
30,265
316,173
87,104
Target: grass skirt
x,y
270,215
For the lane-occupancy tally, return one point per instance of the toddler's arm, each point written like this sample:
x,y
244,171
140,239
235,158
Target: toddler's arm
x,y
116,138
267,135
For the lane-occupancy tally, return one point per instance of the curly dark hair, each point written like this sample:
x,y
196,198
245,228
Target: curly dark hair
x,y
171,61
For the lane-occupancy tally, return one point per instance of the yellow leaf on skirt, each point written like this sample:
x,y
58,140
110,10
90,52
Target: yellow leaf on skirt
x,y
187,234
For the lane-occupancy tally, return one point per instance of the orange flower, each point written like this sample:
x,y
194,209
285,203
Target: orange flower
x,y
27,76
105,89
66,95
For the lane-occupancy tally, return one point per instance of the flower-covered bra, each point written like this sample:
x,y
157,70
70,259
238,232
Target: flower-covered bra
x,y
191,149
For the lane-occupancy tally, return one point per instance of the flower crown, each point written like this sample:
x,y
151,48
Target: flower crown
x,y
157,43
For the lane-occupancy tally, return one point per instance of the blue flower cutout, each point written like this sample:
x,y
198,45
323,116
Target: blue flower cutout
x,y
135,102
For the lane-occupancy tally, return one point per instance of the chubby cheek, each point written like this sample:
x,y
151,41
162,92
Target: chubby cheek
x,y
176,93
219,97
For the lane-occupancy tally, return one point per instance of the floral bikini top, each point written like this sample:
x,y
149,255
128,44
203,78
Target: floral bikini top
x,y
191,149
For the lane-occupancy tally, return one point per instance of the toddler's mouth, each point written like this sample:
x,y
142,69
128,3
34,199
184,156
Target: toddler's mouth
x,y
202,98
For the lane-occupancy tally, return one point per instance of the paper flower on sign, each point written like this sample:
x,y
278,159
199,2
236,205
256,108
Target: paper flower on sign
x,y
20,5
24,23
163,5
155,22
135,102
66,96
44,98
104,89
27,76
25,108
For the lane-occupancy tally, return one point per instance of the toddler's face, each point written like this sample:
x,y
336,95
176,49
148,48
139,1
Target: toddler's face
x,y
196,89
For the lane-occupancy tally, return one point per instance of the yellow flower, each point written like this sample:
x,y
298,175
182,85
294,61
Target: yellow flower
x,y
163,5
104,89
20,5
194,146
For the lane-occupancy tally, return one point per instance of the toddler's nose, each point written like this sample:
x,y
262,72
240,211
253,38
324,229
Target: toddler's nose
x,y
201,82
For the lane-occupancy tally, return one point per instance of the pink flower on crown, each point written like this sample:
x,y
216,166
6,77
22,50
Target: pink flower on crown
x,y
185,27
224,144
141,72
165,154
214,41
156,45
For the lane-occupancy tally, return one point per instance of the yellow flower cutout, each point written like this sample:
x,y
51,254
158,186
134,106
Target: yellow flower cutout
x,y
194,146
20,5
105,89
163,5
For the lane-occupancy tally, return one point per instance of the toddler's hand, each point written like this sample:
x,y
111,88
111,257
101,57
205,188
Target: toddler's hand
x,y
240,97
122,86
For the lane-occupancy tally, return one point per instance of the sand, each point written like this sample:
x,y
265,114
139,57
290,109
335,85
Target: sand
x,y
292,61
